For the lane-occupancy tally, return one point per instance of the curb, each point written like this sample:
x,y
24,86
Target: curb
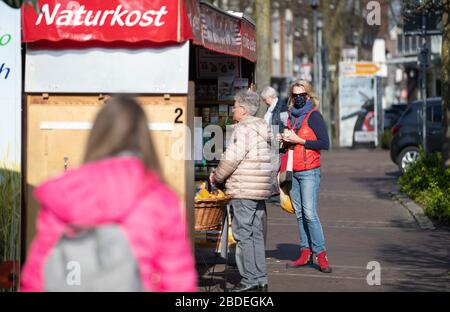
x,y
415,210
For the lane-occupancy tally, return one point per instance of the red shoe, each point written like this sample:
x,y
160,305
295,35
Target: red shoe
x,y
305,258
322,261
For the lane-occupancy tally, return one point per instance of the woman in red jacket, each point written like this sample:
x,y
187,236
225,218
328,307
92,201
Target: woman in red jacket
x,y
307,132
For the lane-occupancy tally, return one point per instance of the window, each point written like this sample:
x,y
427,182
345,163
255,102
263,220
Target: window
x,y
434,112
437,112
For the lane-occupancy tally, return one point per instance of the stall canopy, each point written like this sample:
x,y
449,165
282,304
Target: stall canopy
x,y
140,21
221,31
107,21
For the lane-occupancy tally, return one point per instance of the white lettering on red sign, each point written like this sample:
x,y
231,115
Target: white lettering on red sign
x,y
249,43
220,30
79,16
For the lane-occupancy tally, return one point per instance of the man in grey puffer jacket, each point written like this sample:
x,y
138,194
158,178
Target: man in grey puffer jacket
x,y
246,168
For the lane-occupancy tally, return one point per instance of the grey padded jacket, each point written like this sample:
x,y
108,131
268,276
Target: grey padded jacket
x,y
246,163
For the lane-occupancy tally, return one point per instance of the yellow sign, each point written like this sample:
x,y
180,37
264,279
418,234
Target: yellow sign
x,y
366,69
358,69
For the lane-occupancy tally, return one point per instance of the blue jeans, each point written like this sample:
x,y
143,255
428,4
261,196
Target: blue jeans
x,y
304,194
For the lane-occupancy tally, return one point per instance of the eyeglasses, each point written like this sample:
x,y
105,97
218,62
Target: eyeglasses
x,y
296,95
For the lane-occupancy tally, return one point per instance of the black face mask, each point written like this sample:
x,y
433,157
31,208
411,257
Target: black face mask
x,y
300,100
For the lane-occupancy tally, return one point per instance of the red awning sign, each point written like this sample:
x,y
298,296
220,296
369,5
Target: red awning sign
x,y
221,31
107,21
139,21
248,40
77,15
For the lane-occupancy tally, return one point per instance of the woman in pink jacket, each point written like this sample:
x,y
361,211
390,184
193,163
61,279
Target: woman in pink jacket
x,y
111,225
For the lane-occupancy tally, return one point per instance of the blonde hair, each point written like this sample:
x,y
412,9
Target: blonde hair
x,y
308,89
121,126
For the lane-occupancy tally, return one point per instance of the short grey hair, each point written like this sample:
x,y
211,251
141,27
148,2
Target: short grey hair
x,y
248,100
269,92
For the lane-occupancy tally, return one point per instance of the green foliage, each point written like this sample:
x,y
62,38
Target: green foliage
x,y
437,203
9,215
428,183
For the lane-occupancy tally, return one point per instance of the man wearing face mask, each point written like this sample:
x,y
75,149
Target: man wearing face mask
x,y
307,136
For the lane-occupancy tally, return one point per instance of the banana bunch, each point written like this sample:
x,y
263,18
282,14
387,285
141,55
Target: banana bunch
x,y
204,194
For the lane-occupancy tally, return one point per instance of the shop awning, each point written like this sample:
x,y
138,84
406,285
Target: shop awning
x,y
222,31
107,21
139,21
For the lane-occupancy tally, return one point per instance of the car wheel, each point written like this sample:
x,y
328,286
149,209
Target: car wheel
x,y
407,157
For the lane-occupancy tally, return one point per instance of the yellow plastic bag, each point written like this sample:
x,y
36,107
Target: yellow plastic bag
x,y
285,198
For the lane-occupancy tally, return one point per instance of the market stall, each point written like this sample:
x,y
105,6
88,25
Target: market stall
x,y
181,58
223,56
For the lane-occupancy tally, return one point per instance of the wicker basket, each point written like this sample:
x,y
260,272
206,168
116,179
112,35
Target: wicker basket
x,y
209,213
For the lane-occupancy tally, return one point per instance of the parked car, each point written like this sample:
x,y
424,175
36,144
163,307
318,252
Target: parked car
x,y
407,133
393,114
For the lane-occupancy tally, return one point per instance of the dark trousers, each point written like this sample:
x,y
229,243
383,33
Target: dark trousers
x,y
248,231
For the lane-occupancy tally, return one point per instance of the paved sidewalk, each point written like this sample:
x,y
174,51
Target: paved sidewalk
x,y
361,224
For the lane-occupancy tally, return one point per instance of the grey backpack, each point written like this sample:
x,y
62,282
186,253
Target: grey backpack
x,y
96,259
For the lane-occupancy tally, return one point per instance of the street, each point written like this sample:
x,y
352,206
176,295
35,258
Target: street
x,y
361,224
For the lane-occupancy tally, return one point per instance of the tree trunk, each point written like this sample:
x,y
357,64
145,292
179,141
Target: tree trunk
x,y
446,82
335,22
262,18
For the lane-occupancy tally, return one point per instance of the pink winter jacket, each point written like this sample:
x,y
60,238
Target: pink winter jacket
x,y
116,190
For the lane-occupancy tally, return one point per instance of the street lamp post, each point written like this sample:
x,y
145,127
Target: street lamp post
x,y
314,6
320,76
320,73
423,59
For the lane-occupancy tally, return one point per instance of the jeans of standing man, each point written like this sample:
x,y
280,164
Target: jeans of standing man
x,y
247,226
304,194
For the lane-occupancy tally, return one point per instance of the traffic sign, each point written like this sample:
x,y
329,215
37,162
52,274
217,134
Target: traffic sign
x,y
366,69
359,69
